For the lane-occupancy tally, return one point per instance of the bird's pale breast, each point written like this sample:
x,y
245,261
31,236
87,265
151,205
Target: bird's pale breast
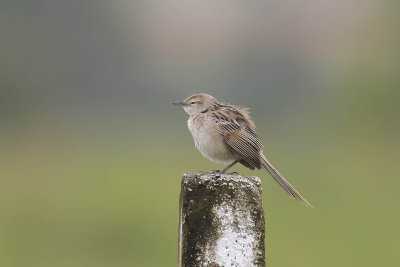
x,y
208,140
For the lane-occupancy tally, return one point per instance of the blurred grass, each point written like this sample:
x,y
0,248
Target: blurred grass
x,y
90,199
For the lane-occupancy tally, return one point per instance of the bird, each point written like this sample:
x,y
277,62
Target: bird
x,y
225,133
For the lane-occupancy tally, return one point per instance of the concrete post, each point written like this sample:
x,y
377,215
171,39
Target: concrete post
x,y
221,221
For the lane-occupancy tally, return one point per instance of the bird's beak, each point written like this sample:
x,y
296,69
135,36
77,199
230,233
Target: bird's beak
x,y
179,103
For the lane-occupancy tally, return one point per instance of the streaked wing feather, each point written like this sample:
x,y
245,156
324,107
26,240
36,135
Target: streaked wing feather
x,y
242,141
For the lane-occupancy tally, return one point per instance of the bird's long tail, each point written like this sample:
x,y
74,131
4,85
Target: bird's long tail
x,y
283,182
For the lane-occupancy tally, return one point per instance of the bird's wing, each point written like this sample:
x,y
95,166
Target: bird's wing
x,y
241,140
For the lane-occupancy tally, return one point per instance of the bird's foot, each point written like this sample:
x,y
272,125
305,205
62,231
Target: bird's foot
x,y
216,172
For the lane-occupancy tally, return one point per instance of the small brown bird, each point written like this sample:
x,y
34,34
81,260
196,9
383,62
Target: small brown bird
x,y
225,133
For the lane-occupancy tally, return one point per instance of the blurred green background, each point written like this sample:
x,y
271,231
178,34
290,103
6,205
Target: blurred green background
x,y
92,152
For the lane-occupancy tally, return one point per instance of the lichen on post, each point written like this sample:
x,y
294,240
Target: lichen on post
x,y
221,221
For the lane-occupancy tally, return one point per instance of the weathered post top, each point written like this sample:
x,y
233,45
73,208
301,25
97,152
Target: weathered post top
x,y
221,221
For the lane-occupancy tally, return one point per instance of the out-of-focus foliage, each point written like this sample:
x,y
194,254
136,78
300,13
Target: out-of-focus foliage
x,y
91,151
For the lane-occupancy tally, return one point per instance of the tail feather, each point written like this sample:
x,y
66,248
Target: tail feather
x,y
283,182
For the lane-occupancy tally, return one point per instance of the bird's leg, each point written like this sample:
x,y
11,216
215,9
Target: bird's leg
x,y
229,166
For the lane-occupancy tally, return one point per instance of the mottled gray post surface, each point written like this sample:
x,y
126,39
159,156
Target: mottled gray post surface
x,y
221,221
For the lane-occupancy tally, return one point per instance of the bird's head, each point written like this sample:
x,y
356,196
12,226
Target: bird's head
x,y
197,103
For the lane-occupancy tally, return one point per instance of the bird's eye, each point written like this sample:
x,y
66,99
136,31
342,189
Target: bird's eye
x,y
193,103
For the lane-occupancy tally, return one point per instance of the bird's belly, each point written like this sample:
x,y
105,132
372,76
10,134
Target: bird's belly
x,y
211,145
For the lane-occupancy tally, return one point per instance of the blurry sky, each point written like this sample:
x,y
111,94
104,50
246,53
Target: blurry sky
x,y
102,56
86,124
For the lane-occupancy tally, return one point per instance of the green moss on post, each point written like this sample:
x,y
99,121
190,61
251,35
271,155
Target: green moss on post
x,y
221,221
